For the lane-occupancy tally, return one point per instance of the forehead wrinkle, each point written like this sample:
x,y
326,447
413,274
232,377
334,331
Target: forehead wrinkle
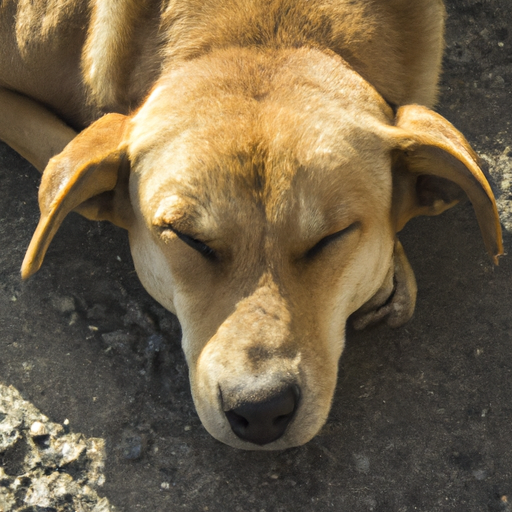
x,y
262,166
296,147
226,193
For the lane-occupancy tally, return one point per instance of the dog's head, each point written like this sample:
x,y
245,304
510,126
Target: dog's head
x,y
262,193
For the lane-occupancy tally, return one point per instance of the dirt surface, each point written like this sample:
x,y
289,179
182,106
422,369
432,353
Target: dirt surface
x,y
422,416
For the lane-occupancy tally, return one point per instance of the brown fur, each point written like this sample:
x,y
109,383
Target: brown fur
x,y
292,138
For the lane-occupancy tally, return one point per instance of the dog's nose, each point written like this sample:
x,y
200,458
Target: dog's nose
x,y
261,422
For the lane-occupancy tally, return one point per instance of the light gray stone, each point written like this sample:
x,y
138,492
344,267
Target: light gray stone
x,y
47,453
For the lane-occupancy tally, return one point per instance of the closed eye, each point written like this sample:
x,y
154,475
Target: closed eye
x,y
329,239
196,244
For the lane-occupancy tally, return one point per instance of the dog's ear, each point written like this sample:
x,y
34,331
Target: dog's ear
x,y
434,167
89,176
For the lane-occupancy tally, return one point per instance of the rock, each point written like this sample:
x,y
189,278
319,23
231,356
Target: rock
x,y
154,344
44,465
136,316
119,340
97,312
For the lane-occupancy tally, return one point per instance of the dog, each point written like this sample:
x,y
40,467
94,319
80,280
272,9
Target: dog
x,y
262,155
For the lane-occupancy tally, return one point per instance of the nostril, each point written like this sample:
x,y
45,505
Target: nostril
x,y
264,421
236,420
282,418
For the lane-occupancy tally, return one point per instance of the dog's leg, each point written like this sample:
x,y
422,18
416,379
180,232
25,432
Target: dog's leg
x,y
32,130
394,302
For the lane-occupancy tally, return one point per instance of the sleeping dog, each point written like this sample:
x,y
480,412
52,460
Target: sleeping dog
x,y
262,155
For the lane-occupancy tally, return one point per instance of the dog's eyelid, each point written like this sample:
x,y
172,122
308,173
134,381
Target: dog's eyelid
x,y
327,240
192,242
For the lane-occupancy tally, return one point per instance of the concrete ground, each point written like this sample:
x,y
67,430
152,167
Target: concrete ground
x,y
422,416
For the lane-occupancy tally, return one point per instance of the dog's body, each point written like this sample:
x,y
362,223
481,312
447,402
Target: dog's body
x,y
262,155
63,53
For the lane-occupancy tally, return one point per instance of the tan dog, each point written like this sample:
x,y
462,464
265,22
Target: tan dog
x,y
263,155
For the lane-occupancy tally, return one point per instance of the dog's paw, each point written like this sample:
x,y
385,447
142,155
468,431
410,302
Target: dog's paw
x,y
394,302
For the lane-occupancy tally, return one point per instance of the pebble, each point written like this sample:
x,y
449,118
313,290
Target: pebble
x,y
64,304
131,446
154,344
38,429
115,338
97,312
362,463
135,315
480,474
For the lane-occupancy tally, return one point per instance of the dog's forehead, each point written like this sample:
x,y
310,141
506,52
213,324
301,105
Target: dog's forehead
x,y
278,134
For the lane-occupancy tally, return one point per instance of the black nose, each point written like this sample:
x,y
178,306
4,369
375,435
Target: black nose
x,y
261,422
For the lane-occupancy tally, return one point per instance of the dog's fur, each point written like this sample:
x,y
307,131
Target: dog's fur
x,y
239,136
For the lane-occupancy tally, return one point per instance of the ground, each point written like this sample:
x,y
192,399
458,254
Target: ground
x,y
422,416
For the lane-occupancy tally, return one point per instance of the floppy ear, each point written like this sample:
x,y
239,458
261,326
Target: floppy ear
x,y
90,176
434,164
